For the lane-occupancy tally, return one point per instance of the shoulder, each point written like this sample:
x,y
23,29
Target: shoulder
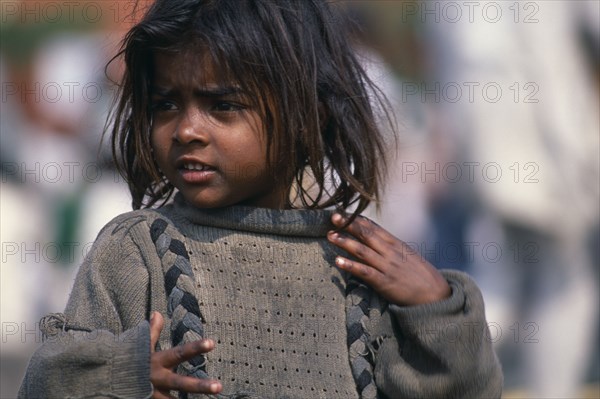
x,y
124,253
134,224
126,235
123,224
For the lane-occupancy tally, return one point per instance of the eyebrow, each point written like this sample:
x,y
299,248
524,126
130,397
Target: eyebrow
x,y
218,91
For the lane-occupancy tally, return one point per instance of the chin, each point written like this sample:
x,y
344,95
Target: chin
x,y
201,201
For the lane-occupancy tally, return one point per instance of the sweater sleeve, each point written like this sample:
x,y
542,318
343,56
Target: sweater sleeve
x,y
438,350
100,346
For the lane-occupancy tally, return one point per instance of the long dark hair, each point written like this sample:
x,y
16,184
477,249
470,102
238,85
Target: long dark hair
x,y
296,57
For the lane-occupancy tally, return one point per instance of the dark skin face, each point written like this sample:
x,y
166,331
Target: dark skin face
x,y
207,136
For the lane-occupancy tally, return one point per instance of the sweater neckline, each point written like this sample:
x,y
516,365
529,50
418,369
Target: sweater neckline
x,y
289,222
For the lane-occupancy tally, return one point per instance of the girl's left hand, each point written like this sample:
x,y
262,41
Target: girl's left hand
x,y
387,264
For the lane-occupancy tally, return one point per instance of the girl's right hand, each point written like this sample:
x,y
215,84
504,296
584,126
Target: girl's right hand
x,y
162,364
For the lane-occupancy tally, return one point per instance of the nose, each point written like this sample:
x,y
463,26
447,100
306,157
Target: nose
x,y
192,127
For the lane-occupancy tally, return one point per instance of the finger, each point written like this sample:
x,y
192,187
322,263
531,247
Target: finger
x,y
182,383
366,231
366,273
181,353
156,326
357,249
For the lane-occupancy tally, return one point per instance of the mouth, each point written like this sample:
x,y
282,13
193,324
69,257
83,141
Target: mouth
x,y
195,172
195,166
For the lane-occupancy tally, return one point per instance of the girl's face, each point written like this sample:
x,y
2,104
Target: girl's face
x,y
207,136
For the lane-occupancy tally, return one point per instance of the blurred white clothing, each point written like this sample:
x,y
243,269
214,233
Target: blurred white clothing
x,y
539,125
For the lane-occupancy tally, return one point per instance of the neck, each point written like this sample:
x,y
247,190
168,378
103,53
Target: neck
x,y
290,222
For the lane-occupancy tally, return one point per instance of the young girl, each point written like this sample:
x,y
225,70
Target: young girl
x,y
233,115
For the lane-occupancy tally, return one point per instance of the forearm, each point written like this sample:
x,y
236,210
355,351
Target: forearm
x,y
79,364
100,346
440,349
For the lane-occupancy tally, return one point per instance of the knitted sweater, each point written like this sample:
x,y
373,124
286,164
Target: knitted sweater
x,y
260,282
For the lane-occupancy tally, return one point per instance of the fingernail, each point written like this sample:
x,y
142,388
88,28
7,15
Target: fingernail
x,y
337,217
214,387
339,261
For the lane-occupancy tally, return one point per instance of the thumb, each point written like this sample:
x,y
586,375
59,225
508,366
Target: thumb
x,y
156,325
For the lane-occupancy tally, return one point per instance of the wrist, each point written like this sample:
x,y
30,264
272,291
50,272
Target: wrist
x,y
442,291
436,292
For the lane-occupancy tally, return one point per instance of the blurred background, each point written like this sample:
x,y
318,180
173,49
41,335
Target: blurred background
x,y
496,172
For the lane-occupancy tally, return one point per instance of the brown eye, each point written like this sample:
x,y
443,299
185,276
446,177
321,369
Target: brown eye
x,y
226,106
163,105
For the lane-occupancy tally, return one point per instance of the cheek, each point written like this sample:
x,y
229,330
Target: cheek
x,y
158,151
157,141
155,137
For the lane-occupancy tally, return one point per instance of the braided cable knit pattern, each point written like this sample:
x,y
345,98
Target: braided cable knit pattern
x,y
182,306
362,305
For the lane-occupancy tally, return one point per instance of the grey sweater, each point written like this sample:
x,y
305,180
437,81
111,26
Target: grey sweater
x,y
260,283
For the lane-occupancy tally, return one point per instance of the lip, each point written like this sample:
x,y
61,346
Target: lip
x,y
195,176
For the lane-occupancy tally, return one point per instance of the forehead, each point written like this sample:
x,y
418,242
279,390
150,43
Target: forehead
x,y
191,66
